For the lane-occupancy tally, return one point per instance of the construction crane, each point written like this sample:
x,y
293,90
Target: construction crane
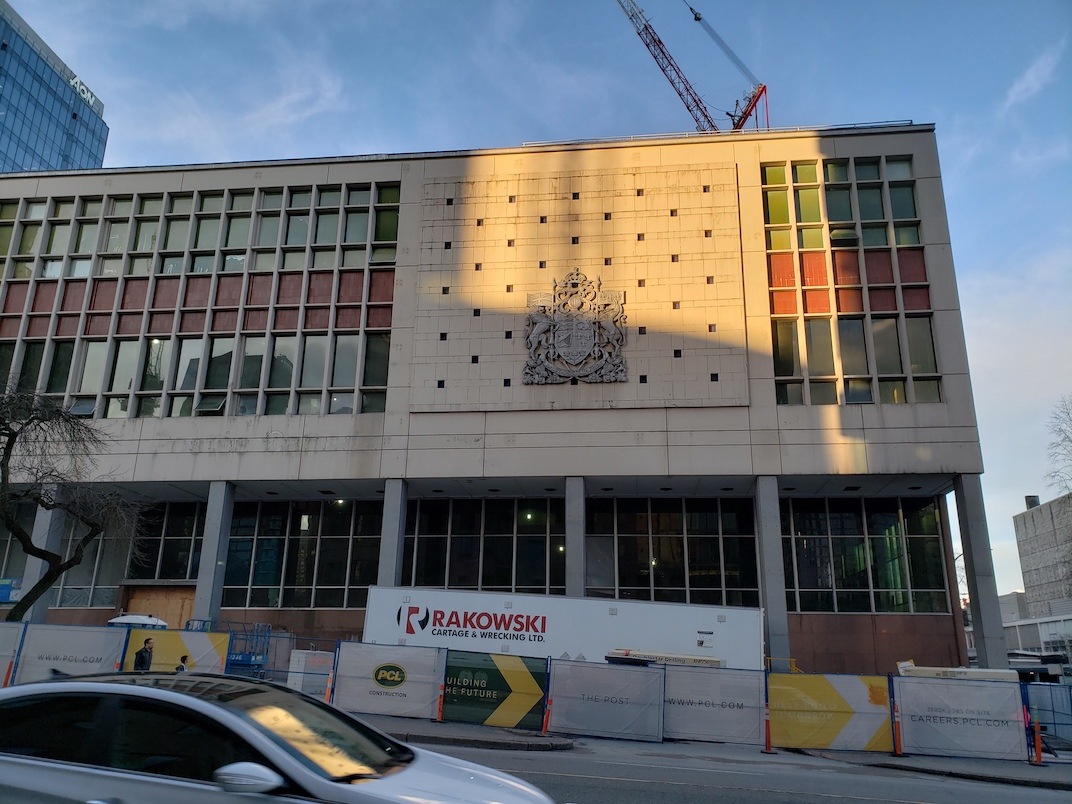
x,y
689,96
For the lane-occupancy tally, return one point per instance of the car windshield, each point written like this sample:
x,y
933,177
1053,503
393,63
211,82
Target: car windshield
x,y
321,737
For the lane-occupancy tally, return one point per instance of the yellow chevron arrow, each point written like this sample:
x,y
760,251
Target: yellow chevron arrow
x,y
524,691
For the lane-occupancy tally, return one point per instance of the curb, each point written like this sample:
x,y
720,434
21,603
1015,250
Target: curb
x,y
502,742
1047,784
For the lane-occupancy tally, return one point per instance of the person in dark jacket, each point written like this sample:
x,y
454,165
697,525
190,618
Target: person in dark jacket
x,y
143,659
183,665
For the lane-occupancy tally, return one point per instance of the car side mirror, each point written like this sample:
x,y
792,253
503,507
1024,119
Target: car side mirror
x,y
247,777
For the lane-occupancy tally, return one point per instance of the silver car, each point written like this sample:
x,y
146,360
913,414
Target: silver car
x,y
174,738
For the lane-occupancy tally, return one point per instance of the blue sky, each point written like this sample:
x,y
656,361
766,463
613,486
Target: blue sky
x,y
187,81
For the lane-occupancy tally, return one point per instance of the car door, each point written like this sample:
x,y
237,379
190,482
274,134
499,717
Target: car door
x,y
125,749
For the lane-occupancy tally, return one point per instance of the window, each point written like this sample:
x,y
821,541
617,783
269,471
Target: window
x,y
60,726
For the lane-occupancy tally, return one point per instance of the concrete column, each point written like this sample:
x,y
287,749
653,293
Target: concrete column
x,y
990,648
48,530
209,591
575,537
393,532
772,574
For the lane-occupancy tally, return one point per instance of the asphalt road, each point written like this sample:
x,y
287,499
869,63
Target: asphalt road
x,y
622,772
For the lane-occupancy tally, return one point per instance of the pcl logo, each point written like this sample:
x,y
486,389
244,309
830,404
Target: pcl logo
x,y
413,618
390,675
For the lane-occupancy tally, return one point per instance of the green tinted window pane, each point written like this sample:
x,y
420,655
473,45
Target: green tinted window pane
x,y
386,224
892,392
805,173
300,198
58,236
902,202
774,174
853,601
327,228
789,393
5,238
779,239
838,205
786,349
283,359
8,210
887,348
208,233
906,235
241,202
93,368
148,407
271,199
145,235
32,357
875,236
7,353
219,364
853,350
309,404
297,230
86,240
313,361
928,391
870,200
344,371
151,205
238,231
329,197
189,364
867,170
858,392
268,230
377,355
813,562
889,568
126,363
276,404
157,357
920,516
356,227
897,169
388,193
776,206
359,195
921,346
202,264
929,601
823,393
373,401
850,563
836,171
211,203
820,347
382,254
925,561
178,234
62,356
810,238
807,201
31,238
91,207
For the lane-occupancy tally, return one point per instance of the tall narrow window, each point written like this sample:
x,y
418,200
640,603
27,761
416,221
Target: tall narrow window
x,y
786,350
313,361
252,359
93,367
157,357
126,366
62,355
284,354
189,364
219,363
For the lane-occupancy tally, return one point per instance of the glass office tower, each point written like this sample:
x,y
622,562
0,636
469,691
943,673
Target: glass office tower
x,y
51,120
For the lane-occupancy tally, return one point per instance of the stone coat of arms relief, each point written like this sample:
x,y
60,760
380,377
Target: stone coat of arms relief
x,y
576,331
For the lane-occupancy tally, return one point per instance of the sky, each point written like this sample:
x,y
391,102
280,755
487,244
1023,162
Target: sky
x,y
192,81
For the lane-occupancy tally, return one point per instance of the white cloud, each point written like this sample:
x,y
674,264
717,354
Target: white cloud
x,y
1032,81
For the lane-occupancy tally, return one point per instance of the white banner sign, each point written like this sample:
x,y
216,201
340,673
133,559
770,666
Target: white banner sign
x,y
956,717
389,679
10,634
703,703
71,650
606,700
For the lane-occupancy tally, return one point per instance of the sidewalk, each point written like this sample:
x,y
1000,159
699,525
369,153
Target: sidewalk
x,y
1053,774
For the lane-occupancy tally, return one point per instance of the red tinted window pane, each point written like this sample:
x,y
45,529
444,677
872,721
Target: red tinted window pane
x,y
166,295
103,294
813,267
319,288
129,324
382,286
192,322
160,323
286,319
15,301
38,326
289,288
882,299
225,321
97,324
9,326
816,301
379,317
917,298
348,318
256,321
134,294
260,289
73,292
850,300
228,291
67,325
783,301
197,288
911,265
780,270
351,285
846,268
879,267
317,318
44,297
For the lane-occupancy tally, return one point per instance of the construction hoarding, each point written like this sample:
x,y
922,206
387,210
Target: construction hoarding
x,y
389,679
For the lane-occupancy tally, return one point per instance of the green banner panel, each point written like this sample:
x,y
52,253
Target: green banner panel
x,y
495,690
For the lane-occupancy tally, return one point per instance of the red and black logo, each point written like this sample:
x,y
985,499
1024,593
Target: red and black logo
x,y
415,617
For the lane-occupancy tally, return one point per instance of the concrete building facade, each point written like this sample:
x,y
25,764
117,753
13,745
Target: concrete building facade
x,y
1044,542
51,119
724,369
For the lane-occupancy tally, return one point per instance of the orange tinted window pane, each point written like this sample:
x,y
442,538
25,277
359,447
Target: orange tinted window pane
x,y
15,301
286,319
289,288
197,288
381,286
72,296
256,321
167,294
134,293
783,301
129,324
813,267
9,326
225,321
192,322
780,270
917,298
348,318
816,301
260,289
879,266
160,323
379,317
846,268
103,294
44,296
882,299
97,324
228,291
38,326
911,265
67,325
850,300
351,284
317,318
319,288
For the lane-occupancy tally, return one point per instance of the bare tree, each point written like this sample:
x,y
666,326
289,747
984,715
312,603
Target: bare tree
x,y
47,459
1060,449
